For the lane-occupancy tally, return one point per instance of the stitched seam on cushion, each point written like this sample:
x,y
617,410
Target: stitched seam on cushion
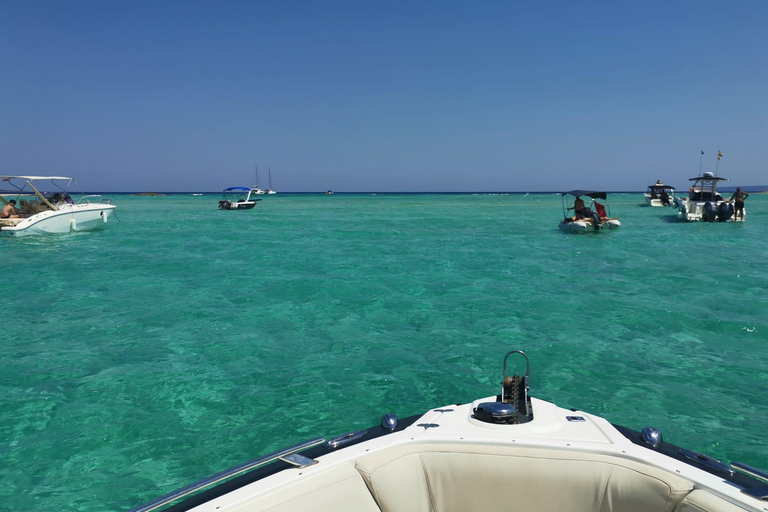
x,y
429,487
369,484
602,491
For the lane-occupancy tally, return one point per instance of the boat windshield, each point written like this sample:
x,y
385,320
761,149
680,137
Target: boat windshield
x,y
705,190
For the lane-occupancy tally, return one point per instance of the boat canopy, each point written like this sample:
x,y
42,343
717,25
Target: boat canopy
x,y
6,178
660,186
592,194
708,178
231,189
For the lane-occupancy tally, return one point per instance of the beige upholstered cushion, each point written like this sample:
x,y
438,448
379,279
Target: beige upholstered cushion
x,y
467,478
339,490
702,501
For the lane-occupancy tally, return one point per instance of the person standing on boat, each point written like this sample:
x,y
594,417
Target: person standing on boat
x,y
578,209
9,210
739,198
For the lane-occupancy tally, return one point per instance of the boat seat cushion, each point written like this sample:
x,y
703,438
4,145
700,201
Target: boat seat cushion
x,y
341,489
478,478
702,501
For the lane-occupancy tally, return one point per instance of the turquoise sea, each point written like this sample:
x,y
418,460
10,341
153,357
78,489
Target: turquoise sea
x,y
185,340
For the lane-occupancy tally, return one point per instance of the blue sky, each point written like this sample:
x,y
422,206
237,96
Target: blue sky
x,y
364,96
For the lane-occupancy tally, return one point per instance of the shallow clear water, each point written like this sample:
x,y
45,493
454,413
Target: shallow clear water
x,y
186,340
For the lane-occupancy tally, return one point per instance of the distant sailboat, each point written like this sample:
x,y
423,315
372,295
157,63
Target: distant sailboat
x,y
269,189
257,186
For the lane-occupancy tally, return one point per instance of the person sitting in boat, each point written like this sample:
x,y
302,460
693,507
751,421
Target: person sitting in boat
x,y
579,209
9,210
664,197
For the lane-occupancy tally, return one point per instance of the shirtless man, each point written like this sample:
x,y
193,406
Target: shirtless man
x,y
739,198
9,211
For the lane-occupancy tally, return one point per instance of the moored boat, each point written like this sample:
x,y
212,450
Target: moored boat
x,y
44,205
587,217
704,203
659,194
238,198
505,452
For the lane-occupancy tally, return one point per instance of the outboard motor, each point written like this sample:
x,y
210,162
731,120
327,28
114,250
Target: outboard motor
x,y
710,213
680,205
226,204
513,405
724,211
594,216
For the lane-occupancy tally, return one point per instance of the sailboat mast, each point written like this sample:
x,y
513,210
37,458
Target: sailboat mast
x,y
269,170
256,172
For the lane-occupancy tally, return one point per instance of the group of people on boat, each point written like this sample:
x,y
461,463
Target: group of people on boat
x,y
582,212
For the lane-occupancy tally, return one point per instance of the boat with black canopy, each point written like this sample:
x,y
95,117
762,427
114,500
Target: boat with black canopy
x,y
591,217
704,203
659,194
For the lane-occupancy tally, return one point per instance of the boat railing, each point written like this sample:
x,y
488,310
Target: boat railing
x,y
95,198
289,455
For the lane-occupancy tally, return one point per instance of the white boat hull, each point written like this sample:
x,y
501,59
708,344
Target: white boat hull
x,y
696,211
69,218
586,225
656,201
239,205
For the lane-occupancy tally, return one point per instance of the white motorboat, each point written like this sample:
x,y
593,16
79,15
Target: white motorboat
x,y
660,194
44,205
238,198
704,202
506,452
587,218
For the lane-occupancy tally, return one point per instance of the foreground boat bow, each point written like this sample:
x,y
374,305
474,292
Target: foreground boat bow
x,y
504,452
